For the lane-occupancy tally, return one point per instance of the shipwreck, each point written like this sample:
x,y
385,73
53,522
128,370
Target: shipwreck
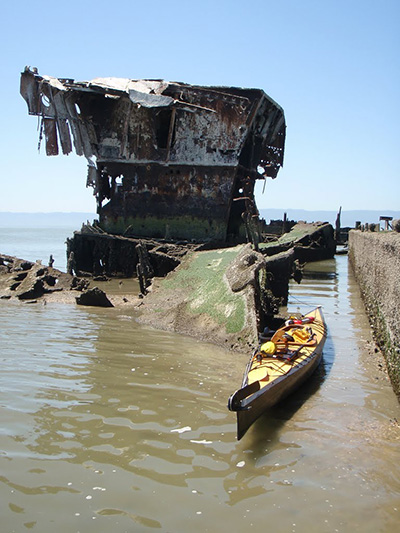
x,y
166,160
173,168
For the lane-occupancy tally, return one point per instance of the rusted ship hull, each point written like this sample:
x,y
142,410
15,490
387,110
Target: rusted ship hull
x,y
165,159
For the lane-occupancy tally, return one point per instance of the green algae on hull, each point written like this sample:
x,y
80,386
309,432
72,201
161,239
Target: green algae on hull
x,y
211,295
204,275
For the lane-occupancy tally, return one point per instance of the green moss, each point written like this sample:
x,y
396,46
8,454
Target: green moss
x,y
184,227
388,349
208,292
293,235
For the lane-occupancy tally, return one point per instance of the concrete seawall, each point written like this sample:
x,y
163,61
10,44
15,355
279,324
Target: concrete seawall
x,y
375,259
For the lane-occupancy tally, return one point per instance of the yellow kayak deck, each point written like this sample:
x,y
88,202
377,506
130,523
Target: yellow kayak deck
x,y
294,345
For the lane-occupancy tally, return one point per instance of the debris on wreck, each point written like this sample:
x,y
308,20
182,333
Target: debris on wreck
x,y
93,252
32,282
27,280
313,241
94,297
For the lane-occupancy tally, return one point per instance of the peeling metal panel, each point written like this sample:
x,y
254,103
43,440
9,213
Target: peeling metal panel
x,y
30,92
62,115
65,137
149,100
73,120
163,150
50,131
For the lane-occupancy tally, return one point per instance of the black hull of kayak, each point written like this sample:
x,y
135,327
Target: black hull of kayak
x,y
254,406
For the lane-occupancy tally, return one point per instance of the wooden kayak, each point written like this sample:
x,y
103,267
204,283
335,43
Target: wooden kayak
x,y
285,359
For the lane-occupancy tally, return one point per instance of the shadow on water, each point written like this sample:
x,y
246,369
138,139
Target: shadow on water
x,y
314,274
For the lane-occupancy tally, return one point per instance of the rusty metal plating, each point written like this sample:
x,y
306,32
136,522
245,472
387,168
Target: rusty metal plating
x,y
165,159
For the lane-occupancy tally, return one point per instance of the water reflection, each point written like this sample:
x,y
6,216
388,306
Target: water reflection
x,y
110,425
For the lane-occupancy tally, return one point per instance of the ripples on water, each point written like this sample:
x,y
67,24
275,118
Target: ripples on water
x,y
109,426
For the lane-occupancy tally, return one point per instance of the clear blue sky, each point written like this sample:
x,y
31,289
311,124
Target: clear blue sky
x,y
333,65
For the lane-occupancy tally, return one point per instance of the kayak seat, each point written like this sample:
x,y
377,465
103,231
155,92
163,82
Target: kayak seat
x,y
281,336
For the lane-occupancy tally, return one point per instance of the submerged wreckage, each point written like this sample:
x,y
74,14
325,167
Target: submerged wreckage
x,y
173,167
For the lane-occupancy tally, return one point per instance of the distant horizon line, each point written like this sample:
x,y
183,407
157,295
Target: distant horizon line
x,y
47,212
260,209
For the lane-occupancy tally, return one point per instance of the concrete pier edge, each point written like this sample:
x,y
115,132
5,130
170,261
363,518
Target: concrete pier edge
x,y
375,260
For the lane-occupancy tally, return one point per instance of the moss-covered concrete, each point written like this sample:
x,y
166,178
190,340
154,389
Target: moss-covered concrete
x,y
375,259
211,295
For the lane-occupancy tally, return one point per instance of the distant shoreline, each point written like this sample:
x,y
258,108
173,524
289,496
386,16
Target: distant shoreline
x,y
74,219
347,218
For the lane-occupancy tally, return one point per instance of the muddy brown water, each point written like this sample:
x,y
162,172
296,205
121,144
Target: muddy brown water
x,y
110,426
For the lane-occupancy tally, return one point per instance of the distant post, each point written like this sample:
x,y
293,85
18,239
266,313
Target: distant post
x,y
337,226
387,221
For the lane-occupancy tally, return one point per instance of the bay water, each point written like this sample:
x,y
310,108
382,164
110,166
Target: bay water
x,y
107,425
